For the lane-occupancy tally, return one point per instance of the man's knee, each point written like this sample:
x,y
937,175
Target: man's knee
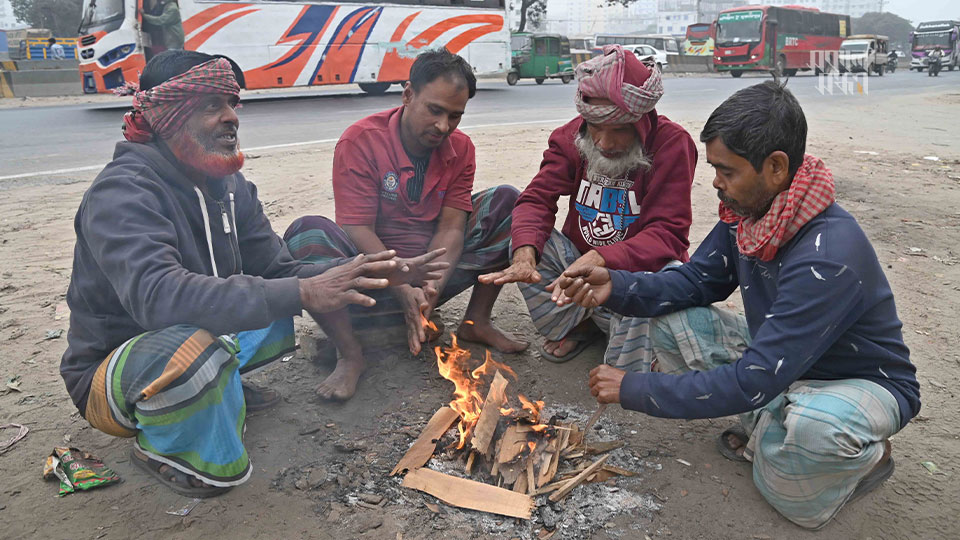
x,y
309,223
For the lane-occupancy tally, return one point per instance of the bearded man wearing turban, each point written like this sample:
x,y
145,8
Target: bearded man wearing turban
x,y
180,284
628,172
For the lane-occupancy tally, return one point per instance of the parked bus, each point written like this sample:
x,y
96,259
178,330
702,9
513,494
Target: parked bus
x,y
699,40
928,36
664,43
777,39
280,43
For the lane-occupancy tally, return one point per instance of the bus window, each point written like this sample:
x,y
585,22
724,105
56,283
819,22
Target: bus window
x,y
672,46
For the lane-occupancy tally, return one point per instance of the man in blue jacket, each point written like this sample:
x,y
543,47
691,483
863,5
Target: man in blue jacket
x,y
817,369
180,284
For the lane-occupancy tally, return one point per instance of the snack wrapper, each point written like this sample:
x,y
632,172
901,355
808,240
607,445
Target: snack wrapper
x,y
76,469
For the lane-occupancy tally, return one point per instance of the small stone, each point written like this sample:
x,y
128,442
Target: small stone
x,y
368,523
684,493
371,498
609,525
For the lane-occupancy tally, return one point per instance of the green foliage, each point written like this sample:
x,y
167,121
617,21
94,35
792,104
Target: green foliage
x,y
60,16
886,24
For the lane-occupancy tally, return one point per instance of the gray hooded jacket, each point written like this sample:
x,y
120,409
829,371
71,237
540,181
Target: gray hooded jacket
x,y
153,251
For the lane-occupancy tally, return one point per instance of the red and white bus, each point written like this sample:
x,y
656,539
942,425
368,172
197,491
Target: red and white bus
x,y
279,43
778,39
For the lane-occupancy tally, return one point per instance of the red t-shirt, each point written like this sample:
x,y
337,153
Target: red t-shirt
x,y
370,174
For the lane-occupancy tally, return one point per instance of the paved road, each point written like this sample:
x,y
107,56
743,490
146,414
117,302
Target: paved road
x,y
36,141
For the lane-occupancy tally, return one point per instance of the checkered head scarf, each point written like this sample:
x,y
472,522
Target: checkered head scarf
x,y
163,109
632,86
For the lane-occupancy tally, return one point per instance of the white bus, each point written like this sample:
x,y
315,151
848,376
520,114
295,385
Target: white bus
x,y
280,43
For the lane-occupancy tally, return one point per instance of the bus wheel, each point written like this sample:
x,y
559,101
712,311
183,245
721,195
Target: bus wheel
x,y
512,78
567,78
376,88
539,80
736,74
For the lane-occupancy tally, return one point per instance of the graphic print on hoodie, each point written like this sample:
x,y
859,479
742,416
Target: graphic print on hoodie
x,y
607,208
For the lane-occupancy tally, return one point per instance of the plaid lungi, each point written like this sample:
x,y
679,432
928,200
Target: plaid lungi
x,y
813,443
486,243
628,340
178,391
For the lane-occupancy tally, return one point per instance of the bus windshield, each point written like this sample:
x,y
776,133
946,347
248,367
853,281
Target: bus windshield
x,y
101,15
739,27
931,40
854,47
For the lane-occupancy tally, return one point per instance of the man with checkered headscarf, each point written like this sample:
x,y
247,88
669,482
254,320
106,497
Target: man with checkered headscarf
x,y
628,172
180,284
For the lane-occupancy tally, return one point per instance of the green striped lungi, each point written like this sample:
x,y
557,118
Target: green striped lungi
x,y
178,391
628,340
486,245
813,443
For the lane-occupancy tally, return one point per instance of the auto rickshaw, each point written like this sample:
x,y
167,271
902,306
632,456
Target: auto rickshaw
x,y
540,57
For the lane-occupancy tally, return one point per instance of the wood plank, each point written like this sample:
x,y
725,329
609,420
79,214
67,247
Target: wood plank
x,y
577,480
469,467
595,448
470,494
490,415
520,486
426,443
531,479
512,444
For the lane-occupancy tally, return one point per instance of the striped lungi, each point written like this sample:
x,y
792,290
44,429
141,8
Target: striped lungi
x,y
628,340
813,443
178,391
486,244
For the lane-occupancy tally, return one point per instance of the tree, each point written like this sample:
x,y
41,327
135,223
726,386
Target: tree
x,y
531,11
60,16
885,24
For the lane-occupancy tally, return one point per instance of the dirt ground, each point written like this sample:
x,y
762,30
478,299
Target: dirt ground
x,y
312,460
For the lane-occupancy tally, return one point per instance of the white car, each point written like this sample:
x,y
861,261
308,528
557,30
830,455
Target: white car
x,y
643,51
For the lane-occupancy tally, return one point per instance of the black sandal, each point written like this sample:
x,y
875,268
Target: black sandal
x,y
729,452
173,478
259,398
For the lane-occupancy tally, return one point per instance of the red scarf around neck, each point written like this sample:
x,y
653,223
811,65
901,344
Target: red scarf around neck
x,y
810,193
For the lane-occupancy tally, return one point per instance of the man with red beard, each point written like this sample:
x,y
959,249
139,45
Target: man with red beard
x,y
168,306
628,172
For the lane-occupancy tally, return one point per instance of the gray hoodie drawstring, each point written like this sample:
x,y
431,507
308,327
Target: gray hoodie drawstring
x,y
206,225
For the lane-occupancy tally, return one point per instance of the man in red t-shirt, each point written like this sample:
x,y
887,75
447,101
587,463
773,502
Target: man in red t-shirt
x,y
628,172
402,180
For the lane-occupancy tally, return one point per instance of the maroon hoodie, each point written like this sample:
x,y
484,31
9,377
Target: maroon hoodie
x,y
640,224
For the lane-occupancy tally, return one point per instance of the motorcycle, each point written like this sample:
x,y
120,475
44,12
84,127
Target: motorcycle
x,y
934,66
892,61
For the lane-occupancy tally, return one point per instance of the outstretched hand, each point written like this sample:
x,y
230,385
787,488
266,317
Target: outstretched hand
x,y
523,269
588,286
338,287
417,271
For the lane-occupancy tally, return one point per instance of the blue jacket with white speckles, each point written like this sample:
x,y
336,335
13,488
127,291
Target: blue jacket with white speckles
x,y
822,309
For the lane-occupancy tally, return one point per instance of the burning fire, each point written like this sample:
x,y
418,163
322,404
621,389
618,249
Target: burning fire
x,y
471,385
427,323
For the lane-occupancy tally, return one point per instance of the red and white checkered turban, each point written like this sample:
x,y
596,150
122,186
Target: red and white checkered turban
x,y
619,76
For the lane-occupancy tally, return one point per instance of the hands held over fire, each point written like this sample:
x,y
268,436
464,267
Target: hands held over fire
x,y
523,269
339,286
588,286
605,383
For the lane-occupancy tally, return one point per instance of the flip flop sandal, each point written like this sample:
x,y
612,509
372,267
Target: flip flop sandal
x,y
259,398
584,340
174,479
727,451
873,480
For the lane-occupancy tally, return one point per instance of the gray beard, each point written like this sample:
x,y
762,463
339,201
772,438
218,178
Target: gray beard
x,y
620,167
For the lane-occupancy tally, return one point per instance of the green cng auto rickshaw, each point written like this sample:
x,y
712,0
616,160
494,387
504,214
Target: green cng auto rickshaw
x,y
540,57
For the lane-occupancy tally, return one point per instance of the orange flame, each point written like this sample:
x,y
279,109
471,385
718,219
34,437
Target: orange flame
x,y
470,386
427,323
533,408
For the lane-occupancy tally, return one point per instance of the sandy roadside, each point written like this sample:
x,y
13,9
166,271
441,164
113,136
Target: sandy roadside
x,y
908,207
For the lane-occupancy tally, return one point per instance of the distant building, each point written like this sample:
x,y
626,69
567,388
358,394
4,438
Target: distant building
x,y
7,20
675,22
854,8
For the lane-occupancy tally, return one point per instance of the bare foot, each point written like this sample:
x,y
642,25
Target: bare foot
x,y
490,335
342,383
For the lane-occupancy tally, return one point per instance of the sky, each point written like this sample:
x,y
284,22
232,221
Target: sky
x,y
924,10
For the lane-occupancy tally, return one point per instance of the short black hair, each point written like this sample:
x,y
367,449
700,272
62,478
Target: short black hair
x,y
436,62
168,64
52,41
759,120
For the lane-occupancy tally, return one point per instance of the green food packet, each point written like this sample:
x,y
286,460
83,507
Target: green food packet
x,y
77,469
